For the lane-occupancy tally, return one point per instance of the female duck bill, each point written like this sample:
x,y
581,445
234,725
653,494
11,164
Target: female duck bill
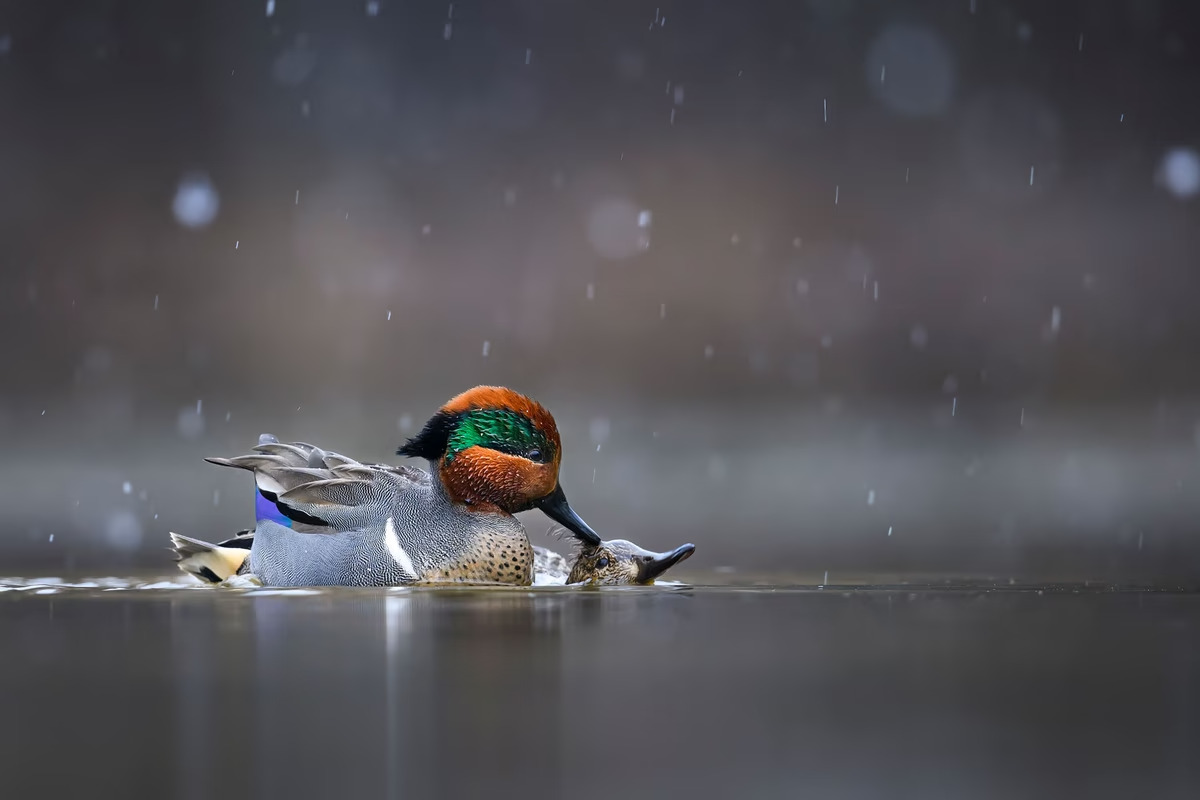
x,y
555,506
659,563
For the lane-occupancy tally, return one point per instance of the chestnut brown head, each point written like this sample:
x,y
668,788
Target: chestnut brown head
x,y
496,450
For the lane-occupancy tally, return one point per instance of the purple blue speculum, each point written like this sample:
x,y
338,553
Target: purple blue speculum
x,y
265,509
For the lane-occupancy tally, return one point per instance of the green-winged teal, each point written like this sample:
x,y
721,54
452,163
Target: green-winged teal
x,y
327,520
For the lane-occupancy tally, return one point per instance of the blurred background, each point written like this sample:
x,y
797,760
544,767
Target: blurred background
x,y
844,285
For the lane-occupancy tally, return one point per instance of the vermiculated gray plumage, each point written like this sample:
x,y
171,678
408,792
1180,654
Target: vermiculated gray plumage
x,y
370,524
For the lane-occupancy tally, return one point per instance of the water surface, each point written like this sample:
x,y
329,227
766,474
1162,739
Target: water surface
x,y
661,691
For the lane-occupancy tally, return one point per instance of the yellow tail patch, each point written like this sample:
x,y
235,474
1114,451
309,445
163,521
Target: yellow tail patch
x,y
208,562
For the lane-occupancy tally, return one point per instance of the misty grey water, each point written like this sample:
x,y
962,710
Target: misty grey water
x,y
157,689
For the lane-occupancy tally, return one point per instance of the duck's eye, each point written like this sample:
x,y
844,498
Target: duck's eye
x,y
602,563
534,455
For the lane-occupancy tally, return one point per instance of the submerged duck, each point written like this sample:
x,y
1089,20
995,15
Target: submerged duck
x,y
328,520
616,561
611,563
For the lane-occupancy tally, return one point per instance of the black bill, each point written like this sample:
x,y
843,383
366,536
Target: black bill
x,y
556,507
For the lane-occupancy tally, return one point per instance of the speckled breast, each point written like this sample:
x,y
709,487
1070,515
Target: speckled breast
x,y
489,556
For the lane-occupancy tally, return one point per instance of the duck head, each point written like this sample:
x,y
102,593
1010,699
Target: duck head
x,y
496,450
616,562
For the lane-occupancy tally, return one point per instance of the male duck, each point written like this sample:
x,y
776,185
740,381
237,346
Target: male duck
x,y
327,520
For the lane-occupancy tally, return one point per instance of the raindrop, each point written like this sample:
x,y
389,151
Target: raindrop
x,y
293,66
372,8
918,336
389,316
1055,319
662,311
196,201
591,291
630,66
126,488
1179,172
97,359
122,530
599,429
922,70
678,95
836,192
528,55
1031,176
487,348
617,230
189,423
448,31
709,350
270,8
871,497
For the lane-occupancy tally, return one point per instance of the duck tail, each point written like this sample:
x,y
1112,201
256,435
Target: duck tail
x,y
211,563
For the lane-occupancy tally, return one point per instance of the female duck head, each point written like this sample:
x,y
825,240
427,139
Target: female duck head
x,y
496,450
618,562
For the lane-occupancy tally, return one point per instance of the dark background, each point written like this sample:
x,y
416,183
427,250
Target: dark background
x,y
876,317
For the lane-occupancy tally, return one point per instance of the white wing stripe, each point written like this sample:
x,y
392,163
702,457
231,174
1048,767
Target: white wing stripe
x,y
392,542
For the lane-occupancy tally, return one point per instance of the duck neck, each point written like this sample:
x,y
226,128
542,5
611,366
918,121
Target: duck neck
x,y
456,494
